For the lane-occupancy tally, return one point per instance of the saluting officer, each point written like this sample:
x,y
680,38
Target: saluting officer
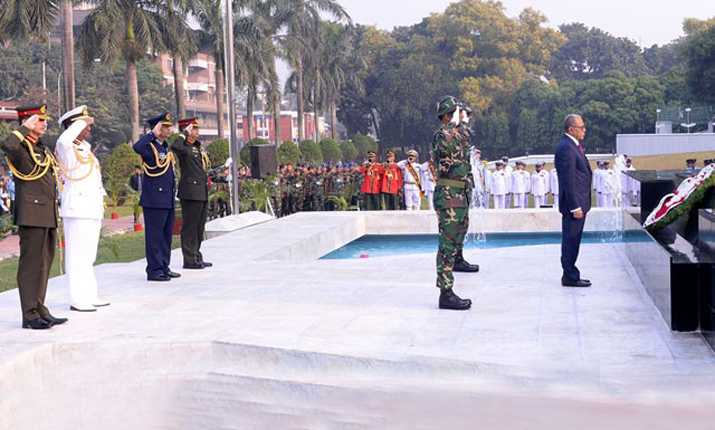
x,y
194,164
157,197
82,208
36,213
451,158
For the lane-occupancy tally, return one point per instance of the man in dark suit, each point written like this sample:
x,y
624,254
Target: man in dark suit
x,y
36,214
135,181
157,197
194,164
575,196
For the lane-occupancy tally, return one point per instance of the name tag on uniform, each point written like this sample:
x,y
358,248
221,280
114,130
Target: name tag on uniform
x,y
162,155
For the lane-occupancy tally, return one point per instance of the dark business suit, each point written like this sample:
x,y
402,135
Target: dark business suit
x,y
574,192
194,194
157,200
36,217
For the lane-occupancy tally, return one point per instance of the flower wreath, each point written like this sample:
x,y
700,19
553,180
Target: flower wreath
x,y
690,192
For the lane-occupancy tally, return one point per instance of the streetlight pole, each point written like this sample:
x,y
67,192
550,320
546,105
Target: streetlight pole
x,y
231,93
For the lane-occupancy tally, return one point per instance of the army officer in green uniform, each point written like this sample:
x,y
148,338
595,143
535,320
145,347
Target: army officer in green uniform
x,y
194,164
36,213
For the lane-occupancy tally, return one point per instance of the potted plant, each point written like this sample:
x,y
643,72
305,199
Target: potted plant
x,y
115,188
136,210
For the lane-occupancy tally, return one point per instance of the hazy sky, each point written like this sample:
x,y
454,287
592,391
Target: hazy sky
x,y
647,21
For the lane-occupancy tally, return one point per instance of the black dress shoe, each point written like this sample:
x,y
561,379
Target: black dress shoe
x,y
581,283
37,324
172,274
54,321
449,300
194,266
207,264
159,278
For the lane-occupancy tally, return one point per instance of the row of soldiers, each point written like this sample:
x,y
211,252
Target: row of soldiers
x,y
64,189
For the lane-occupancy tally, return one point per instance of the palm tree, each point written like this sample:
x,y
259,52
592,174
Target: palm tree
x,y
180,41
342,65
68,55
122,30
35,20
301,26
210,37
27,19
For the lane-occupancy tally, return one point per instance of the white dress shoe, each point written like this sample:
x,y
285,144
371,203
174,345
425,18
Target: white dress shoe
x,y
83,307
98,303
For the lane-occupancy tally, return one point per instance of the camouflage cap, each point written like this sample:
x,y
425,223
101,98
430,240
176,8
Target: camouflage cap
x,y
447,104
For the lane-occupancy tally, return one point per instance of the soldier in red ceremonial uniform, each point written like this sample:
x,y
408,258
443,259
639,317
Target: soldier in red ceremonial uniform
x,y
372,173
391,182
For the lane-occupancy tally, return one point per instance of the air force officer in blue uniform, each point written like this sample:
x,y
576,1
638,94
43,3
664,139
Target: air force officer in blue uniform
x,y
575,196
157,198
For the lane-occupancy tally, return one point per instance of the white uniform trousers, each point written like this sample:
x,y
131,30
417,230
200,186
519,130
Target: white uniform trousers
x,y
599,200
486,200
430,199
81,241
556,201
499,201
413,201
539,201
608,200
520,200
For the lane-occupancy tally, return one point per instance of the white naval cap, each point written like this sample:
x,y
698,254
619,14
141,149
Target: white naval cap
x,y
80,112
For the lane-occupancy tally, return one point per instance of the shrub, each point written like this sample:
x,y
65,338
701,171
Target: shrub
x,y
331,150
288,152
311,152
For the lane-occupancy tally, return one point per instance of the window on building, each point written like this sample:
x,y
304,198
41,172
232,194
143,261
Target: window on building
x,y
169,64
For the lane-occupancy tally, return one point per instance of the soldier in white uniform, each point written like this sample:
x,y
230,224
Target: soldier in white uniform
x,y
500,186
411,180
488,183
478,170
597,183
520,185
540,185
82,208
508,170
554,186
628,187
609,184
429,180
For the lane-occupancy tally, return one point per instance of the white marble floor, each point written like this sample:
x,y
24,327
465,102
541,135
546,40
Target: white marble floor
x,y
259,343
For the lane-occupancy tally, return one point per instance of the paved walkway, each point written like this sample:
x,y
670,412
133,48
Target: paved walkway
x,y
256,343
10,246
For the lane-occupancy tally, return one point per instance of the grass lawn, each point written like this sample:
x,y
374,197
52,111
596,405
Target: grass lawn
x,y
128,247
121,210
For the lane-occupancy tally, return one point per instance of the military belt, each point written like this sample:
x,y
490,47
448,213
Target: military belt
x,y
451,183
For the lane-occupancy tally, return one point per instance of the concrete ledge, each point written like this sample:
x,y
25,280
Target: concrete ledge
x,y
221,226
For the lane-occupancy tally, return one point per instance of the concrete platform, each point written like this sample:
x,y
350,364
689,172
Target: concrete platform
x,y
265,339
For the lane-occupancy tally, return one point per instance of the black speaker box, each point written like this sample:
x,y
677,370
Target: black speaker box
x,y
263,160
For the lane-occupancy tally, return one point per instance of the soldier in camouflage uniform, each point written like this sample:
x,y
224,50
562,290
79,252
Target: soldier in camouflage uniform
x,y
318,192
451,158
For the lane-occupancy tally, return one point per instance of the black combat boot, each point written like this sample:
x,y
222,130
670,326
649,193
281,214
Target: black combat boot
x,y
461,265
449,300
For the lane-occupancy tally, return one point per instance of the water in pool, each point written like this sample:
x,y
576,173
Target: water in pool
x,y
388,245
